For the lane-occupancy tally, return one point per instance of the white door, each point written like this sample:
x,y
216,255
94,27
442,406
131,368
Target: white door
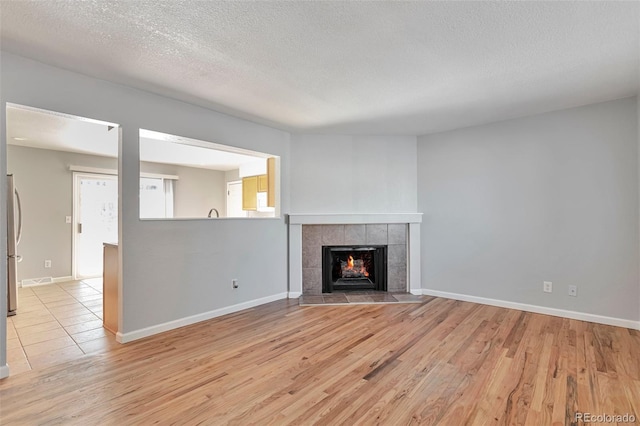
x,y
234,200
95,221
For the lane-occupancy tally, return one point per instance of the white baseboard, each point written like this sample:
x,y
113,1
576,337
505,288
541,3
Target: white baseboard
x,y
294,294
582,316
160,328
4,371
63,279
416,291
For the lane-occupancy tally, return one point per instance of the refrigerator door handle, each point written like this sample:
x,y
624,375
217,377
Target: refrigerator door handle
x,y
19,219
12,256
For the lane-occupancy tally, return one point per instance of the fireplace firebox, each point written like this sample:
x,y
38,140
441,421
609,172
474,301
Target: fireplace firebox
x,y
354,268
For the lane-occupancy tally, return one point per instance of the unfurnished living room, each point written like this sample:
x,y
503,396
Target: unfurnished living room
x,y
312,212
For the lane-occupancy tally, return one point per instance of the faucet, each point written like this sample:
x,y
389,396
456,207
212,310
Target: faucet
x,y
212,210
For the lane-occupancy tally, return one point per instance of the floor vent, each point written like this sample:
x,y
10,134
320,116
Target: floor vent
x,y
37,281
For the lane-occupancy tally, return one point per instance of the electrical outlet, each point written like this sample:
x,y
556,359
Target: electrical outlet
x,y
47,264
547,286
234,282
573,290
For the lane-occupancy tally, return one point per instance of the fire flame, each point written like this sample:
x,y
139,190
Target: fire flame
x,y
355,269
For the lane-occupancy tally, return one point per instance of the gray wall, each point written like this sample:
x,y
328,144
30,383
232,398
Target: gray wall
x,y
550,197
170,269
199,190
46,188
353,174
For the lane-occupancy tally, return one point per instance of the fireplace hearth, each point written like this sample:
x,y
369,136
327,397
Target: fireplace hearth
x,y
347,268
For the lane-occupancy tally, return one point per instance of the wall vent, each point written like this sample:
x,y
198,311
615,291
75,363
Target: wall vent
x,y
37,281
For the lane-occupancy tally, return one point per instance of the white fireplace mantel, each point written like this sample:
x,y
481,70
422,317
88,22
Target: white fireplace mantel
x,y
296,221
346,219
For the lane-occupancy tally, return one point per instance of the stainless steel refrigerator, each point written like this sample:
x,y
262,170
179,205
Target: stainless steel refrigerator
x,y
14,231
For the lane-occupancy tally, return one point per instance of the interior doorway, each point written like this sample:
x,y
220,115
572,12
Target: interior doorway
x,y
46,152
95,221
59,313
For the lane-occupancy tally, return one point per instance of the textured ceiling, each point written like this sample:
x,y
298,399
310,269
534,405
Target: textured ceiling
x,y
345,67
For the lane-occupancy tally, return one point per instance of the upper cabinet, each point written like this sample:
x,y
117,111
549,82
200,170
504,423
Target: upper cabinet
x,y
263,183
271,182
252,185
250,193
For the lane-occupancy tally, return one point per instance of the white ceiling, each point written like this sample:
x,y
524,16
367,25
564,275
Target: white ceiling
x,y
30,127
59,132
345,67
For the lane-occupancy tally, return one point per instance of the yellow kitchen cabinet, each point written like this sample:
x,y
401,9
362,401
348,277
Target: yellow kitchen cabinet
x,y
271,182
263,183
250,193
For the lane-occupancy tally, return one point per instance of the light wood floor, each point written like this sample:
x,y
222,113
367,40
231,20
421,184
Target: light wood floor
x,y
440,362
56,323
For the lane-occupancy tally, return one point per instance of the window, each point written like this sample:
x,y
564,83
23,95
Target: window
x,y
156,198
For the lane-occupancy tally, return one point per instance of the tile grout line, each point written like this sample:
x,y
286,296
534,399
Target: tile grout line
x,y
64,297
86,307
22,346
15,330
81,302
56,318
46,306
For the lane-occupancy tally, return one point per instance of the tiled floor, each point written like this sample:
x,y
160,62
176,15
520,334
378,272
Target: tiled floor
x,y
56,323
359,297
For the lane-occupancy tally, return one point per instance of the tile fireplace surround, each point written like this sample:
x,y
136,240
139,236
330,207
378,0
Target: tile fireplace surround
x,y
309,232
